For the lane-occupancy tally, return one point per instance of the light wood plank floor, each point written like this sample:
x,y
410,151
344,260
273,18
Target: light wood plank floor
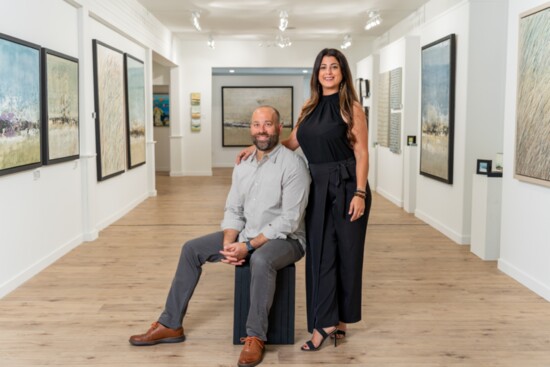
x,y
427,301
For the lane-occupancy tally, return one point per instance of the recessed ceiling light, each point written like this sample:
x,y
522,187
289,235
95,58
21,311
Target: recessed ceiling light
x,y
231,70
304,71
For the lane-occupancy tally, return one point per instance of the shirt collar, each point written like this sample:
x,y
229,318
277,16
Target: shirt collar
x,y
271,156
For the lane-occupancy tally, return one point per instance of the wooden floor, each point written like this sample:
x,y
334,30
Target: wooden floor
x,y
426,302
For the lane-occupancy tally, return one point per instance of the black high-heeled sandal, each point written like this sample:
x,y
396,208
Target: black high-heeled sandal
x,y
339,334
325,335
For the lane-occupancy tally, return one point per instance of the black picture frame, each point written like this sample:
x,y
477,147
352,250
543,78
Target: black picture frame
x,y
110,110
134,81
20,90
366,91
411,140
238,103
61,102
483,166
437,109
359,87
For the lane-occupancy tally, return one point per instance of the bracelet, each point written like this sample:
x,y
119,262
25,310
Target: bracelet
x,y
359,194
360,190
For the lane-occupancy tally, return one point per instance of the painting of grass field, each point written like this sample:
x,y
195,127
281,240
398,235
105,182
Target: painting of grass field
x,y
437,116
135,96
62,134
238,104
20,143
110,109
532,160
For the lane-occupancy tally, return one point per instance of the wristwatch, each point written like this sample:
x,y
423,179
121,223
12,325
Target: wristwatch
x,y
249,247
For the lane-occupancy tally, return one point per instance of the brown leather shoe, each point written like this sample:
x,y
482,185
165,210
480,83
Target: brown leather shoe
x,y
252,353
158,333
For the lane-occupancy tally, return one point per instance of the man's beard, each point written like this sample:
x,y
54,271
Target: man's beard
x,y
267,144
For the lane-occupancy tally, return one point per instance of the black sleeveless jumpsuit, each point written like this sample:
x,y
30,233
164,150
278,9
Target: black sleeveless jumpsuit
x,y
334,249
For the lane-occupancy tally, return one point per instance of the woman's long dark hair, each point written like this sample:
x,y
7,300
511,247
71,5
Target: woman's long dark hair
x,y
347,91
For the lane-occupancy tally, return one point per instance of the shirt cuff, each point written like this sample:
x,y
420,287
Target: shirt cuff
x,y
232,224
271,233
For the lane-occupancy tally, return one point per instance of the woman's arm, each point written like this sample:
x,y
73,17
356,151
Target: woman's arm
x,y
361,146
292,141
361,152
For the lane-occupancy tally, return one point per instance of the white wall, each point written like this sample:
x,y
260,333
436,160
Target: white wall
x,y
192,151
39,218
366,69
48,211
525,233
390,167
478,109
438,203
485,96
117,195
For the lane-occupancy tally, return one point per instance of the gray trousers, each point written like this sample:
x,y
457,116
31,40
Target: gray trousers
x,y
264,263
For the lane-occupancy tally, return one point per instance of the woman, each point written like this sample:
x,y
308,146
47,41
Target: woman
x,y
332,133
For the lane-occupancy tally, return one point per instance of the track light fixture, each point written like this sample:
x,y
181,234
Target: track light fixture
x,y
374,19
282,42
346,43
195,15
211,42
279,41
283,20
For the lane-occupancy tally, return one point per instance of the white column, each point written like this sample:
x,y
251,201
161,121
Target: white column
x,y
486,209
87,127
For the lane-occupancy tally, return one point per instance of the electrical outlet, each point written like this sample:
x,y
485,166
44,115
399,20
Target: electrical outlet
x,y
36,175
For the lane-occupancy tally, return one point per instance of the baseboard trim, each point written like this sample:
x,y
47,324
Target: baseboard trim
x,y
390,197
456,237
119,214
525,279
15,282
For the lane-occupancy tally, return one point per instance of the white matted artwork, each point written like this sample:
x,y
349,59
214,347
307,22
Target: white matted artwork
x,y
383,109
396,76
395,132
110,108
195,112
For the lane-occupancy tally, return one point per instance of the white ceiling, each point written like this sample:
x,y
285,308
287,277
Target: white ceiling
x,y
257,20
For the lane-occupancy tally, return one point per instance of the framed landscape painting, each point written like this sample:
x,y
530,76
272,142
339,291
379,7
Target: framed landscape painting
x,y
532,155
238,103
437,109
135,110
110,110
61,128
20,105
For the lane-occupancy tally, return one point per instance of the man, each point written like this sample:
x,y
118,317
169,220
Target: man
x,y
263,218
